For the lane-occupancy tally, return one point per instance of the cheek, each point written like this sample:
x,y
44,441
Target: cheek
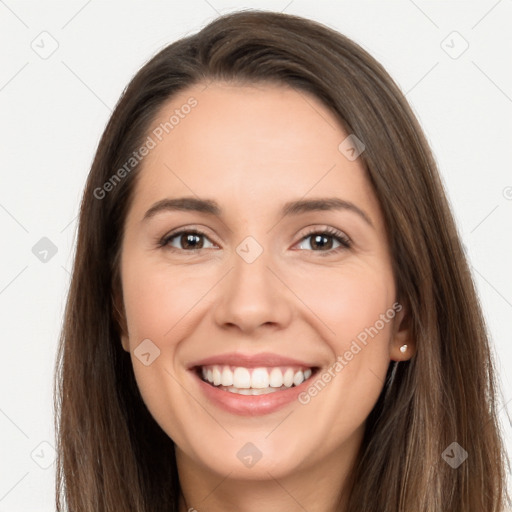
x,y
159,302
162,304
350,300
356,305
158,298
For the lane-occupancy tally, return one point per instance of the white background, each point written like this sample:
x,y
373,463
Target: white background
x,y
53,111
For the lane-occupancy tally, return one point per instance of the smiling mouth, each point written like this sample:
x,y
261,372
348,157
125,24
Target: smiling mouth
x,y
254,381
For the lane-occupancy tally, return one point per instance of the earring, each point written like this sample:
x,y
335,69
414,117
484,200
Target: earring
x,y
403,349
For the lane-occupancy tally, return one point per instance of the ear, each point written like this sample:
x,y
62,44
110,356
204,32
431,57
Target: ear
x,y
119,316
402,335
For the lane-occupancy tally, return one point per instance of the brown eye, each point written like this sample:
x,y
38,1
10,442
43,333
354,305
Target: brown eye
x,y
323,240
190,240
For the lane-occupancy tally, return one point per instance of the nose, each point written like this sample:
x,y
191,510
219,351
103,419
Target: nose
x,y
253,295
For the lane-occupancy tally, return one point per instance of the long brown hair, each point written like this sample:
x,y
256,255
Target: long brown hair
x,y
113,456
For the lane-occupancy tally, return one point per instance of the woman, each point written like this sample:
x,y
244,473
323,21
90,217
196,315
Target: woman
x,y
211,358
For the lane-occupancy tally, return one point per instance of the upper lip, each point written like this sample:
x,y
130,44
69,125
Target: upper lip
x,y
263,359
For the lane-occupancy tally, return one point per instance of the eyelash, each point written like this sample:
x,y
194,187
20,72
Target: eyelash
x,y
331,232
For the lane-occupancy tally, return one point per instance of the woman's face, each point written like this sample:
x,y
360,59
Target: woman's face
x,y
261,297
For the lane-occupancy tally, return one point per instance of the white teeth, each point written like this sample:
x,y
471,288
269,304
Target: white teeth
x,y
232,389
259,378
298,378
241,378
216,376
276,378
227,377
288,378
254,381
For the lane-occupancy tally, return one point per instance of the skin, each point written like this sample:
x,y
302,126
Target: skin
x,y
251,149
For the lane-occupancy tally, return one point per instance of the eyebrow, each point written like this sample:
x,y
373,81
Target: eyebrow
x,y
211,207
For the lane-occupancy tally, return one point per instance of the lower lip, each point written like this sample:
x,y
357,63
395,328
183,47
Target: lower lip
x,y
250,405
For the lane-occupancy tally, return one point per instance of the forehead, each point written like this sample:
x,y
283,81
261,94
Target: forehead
x,y
255,144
